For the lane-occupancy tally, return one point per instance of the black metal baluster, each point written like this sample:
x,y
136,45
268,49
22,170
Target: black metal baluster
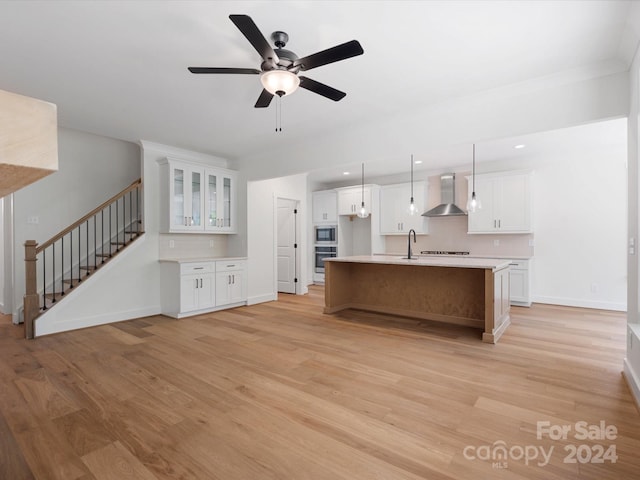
x,y
80,256
44,277
138,210
110,232
53,266
86,228
102,235
71,256
130,214
62,267
117,226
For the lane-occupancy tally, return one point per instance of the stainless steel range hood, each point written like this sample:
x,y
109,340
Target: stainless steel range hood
x,y
447,196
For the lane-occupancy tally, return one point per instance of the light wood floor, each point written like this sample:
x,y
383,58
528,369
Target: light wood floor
x,y
281,391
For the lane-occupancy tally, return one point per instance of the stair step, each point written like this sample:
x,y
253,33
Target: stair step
x,y
103,254
71,281
89,268
51,295
118,243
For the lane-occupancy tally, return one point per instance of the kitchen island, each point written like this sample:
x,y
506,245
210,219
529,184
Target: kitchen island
x,y
463,291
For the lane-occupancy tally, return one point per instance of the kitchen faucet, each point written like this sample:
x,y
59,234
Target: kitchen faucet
x,y
409,243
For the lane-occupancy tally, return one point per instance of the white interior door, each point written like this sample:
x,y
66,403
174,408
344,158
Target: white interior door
x,y
286,245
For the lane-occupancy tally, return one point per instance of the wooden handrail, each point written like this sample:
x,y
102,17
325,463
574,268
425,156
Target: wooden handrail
x,y
57,237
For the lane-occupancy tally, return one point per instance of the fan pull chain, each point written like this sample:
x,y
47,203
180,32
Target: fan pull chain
x,y
279,114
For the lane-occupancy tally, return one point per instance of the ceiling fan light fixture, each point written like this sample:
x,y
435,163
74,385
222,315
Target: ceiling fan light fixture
x,y
280,82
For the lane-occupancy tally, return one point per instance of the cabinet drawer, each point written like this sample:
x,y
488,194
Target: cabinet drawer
x,y
519,264
229,265
186,268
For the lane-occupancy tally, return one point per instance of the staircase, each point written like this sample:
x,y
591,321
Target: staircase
x,y
70,257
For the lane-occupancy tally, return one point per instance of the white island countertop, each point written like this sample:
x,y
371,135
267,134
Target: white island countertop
x,y
422,261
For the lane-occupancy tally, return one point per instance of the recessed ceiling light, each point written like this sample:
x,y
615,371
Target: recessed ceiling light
x,y
418,162
345,173
519,146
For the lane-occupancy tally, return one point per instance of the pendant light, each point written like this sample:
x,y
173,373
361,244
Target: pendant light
x,y
473,203
363,212
413,209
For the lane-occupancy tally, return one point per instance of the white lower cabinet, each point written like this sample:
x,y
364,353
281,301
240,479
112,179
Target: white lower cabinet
x,y
191,288
520,283
196,292
230,282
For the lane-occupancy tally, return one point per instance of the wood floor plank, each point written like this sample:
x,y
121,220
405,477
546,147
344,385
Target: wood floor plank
x,y
12,464
281,391
114,462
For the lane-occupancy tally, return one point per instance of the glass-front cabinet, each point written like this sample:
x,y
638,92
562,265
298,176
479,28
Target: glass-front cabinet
x,y
198,198
185,190
220,203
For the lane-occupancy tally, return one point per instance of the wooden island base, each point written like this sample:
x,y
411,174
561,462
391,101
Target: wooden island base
x,y
472,296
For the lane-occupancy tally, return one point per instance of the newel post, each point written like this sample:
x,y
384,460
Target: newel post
x,y
31,300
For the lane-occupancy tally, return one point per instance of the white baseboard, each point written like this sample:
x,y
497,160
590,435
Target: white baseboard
x,y
270,297
578,302
57,326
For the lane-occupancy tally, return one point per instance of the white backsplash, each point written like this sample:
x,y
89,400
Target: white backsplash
x,y
450,234
184,245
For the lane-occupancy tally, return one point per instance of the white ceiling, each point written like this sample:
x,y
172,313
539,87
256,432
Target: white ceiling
x,y
119,68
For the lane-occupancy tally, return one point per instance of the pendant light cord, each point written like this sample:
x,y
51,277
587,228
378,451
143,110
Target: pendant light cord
x,y
362,196
412,177
474,168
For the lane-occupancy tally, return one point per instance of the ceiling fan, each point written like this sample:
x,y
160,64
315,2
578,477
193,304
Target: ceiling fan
x,y
280,67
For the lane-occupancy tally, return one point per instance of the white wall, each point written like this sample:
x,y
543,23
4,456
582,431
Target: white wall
x,y
91,170
262,231
580,225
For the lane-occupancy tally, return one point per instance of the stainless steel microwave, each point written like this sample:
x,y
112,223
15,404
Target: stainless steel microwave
x,y
326,234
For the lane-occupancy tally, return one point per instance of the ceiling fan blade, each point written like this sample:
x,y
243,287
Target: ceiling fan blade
x,y
244,71
330,55
321,89
255,37
264,99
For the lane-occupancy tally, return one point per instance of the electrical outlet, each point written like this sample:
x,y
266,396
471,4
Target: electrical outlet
x,y
496,243
172,244
532,242
33,220
594,288
210,243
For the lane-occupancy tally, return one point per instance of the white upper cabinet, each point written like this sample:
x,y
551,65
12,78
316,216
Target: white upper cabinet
x,y
394,209
325,206
220,205
350,199
196,198
185,197
506,203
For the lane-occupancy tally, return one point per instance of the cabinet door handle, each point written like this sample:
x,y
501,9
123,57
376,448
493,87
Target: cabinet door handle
x,y
499,223
494,224
200,283
196,283
198,268
234,279
228,279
